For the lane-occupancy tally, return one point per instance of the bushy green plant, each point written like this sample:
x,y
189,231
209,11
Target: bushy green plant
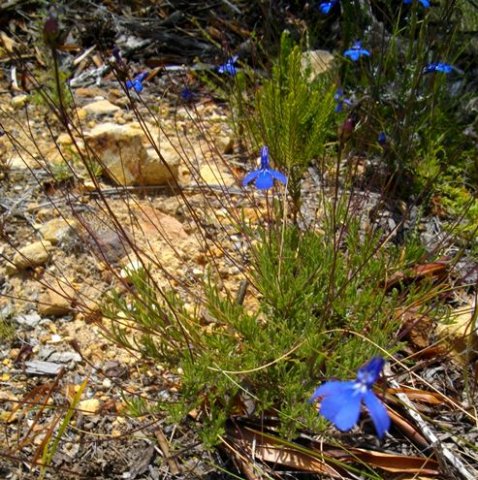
x,y
319,304
316,298
418,112
292,114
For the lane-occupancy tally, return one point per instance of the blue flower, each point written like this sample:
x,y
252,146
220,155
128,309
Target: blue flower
x,y
326,7
356,51
137,82
382,138
265,175
439,67
341,100
425,3
187,94
229,66
341,401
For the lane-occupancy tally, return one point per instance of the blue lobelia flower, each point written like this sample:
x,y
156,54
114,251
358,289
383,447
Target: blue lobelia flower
x,y
187,94
137,82
229,66
326,7
425,3
265,175
439,67
382,138
356,51
341,100
341,401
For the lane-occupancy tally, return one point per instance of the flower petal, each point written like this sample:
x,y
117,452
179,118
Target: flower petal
x,y
348,415
250,177
378,412
331,388
352,54
264,180
265,157
278,176
369,373
342,408
325,7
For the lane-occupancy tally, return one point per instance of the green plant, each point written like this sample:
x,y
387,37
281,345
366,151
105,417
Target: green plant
x,y
314,296
6,330
51,447
61,172
419,112
47,95
319,302
292,115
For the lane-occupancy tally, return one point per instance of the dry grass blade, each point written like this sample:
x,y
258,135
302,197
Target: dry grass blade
x,y
39,397
164,445
430,398
276,451
397,463
407,429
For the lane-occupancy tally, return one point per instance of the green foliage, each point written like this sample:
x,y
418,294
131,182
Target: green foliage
x,y
61,172
51,447
460,203
291,115
6,330
420,113
53,93
317,298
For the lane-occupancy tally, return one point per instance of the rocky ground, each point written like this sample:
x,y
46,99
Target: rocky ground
x,y
58,243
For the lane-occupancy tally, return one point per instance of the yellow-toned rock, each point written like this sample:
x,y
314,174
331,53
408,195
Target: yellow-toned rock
x,y
33,255
460,333
90,406
100,108
317,62
20,101
58,229
54,304
213,175
127,157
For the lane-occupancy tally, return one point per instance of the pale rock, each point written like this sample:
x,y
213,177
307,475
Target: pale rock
x,y
319,61
54,304
212,175
39,367
57,230
33,255
64,139
89,186
459,332
128,160
51,355
225,145
17,162
90,406
88,92
100,108
30,320
19,101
